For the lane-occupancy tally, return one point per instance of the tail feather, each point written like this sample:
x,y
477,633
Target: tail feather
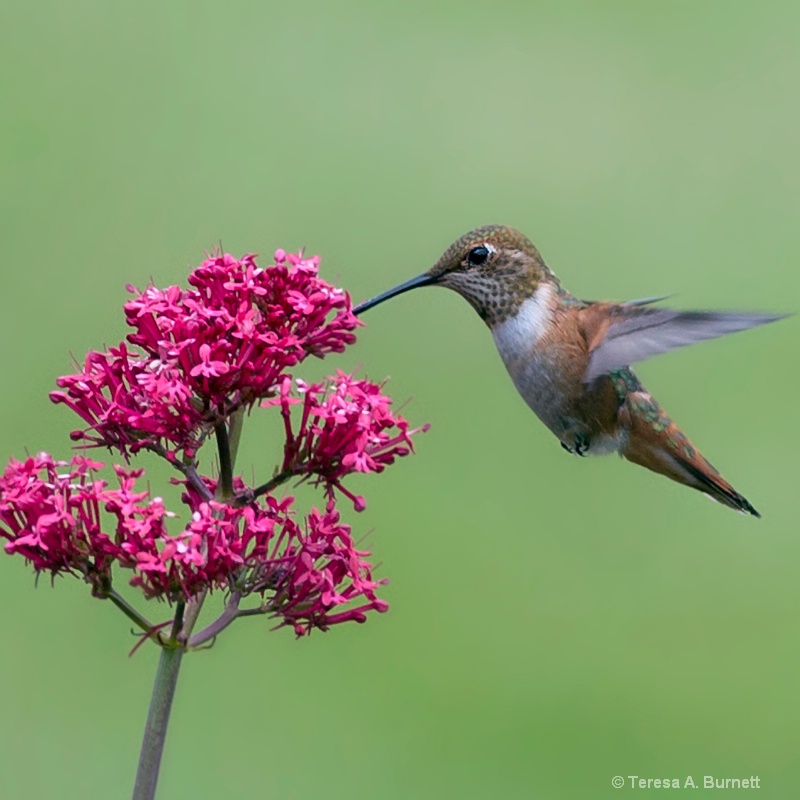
x,y
720,489
657,443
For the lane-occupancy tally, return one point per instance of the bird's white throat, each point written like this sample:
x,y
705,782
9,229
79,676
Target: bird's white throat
x,y
516,335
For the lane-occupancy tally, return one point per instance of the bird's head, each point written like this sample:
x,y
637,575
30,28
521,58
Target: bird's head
x,y
495,268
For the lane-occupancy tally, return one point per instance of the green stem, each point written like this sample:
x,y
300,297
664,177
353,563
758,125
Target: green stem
x,y
235,432
228,615
172,650
228,437
129,611
155,730
225,483
270,485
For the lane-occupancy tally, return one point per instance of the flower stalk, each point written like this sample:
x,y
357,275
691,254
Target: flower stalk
x,y
158,714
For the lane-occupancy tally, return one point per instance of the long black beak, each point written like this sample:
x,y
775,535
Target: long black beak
x,y
420,280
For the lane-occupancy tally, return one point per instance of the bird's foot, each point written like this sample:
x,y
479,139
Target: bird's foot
x,y
580,446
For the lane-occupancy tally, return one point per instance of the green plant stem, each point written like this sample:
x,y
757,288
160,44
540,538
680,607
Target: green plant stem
x,y
225,482
190,472
235,434
155,730
228,437
172,650
270,485
228,615
129,611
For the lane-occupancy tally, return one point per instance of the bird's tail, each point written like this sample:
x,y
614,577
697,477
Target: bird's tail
x,y
657,443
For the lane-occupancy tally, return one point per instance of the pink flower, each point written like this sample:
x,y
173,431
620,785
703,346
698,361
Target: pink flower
x,y
346,425
52,516
130,403
202,556
322,578
197,354
308,576
193,359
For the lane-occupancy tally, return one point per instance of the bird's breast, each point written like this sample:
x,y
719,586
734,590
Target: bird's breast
x,y
525,343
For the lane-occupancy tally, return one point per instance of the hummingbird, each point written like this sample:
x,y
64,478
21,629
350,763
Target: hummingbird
x,y
570,358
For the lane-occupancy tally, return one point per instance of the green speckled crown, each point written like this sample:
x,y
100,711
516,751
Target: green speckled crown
x,y
497,287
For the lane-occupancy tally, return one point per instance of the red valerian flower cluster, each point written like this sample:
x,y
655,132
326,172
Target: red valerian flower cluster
x,y
194,360
195,355
51,514
345,426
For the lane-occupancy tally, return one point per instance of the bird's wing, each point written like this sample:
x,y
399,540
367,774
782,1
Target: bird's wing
x,y
618,335
646,301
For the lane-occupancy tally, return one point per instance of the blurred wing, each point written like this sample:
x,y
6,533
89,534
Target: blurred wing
x,y
647,301
619,335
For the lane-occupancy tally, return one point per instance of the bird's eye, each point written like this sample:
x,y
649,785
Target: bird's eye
x,y
479,254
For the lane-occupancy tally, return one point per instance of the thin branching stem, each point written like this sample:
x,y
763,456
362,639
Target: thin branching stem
x,y
270,485
228,615
129,611
197,482
189,470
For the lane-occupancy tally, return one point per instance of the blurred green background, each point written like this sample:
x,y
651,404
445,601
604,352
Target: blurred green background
x,y
553,622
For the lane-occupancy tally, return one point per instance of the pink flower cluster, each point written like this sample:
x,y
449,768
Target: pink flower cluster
x,y
53,517
51,514
346,425
195,358
197,354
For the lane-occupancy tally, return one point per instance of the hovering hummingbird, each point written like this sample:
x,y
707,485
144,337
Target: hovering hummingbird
x,y
570,359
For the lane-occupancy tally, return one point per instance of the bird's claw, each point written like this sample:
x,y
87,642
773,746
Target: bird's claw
x,y
579,448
